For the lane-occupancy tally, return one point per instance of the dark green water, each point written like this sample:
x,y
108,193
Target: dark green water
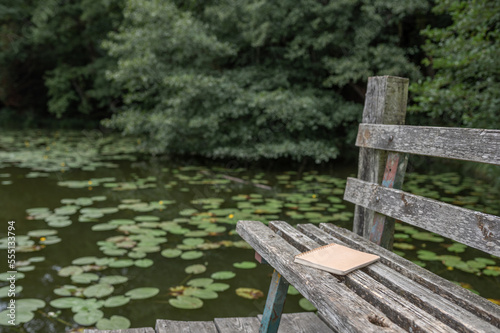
x,y
157,204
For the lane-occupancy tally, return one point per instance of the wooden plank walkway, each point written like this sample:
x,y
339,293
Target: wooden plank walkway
x,y
304,322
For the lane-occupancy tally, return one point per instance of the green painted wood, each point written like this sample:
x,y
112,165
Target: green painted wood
x,y
380,229
274,304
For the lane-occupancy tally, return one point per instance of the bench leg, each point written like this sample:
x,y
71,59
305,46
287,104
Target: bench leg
x,y
274,304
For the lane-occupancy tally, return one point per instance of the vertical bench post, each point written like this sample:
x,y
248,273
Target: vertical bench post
x,y
385,103
274,304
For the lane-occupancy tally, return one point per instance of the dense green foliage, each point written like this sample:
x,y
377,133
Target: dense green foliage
x,y
465,90
253,79
51,57
245,79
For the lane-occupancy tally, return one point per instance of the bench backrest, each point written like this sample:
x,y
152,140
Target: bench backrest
x,y
384,147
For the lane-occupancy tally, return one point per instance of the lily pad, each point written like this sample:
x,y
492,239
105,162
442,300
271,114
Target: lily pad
x,y
98,290
87,318
68,290
103,227
116,301
249,293
141,293
143,263
66,302
195,269
186,302
218,286
84,278
306,305
70,270
120,263
193,241
5,276
114,323
29,304
113,279
171,253
21,317
427,236
201,293
84,261
191,255
245,265
42,233
457,248
292,290
223,275
200,282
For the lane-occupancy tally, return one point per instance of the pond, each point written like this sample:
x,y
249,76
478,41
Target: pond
x,y
110,239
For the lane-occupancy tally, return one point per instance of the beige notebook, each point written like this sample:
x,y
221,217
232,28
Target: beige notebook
x,y
336,259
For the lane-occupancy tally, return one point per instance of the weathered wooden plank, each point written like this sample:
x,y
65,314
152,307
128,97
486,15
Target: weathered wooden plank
x,y
302,322
129,330
385,103
237,325
396,308
469,144
340,304
432,312
273,309
462,297
174,326
475,229
381,228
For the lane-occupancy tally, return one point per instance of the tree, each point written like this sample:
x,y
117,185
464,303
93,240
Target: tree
x,y
51,56
253,79
465,89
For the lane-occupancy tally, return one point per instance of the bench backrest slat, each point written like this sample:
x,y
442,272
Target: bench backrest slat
x,y
470,144
466,226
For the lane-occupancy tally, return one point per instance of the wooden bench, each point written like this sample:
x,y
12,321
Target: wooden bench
x,y
394,294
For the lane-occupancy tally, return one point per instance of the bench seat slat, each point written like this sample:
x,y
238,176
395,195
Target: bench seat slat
x,y
396,308
420,297
337,303
475,229
460,296
469,144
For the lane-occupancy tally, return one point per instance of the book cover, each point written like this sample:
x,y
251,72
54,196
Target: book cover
x,y
336,259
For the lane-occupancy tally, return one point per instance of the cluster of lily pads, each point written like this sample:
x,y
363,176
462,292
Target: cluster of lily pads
x,y
45,152
182,217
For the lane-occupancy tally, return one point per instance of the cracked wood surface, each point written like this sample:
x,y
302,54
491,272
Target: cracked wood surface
x,y
475,229
468,144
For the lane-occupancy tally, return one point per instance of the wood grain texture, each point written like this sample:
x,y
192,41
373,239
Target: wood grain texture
x,y
475,229
174,326
469,144
385,103
129,330
462,297
338,303
302,322
237,325
421,302
398,309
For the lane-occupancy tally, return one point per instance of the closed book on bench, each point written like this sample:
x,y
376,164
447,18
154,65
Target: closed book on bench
x,y
336,259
